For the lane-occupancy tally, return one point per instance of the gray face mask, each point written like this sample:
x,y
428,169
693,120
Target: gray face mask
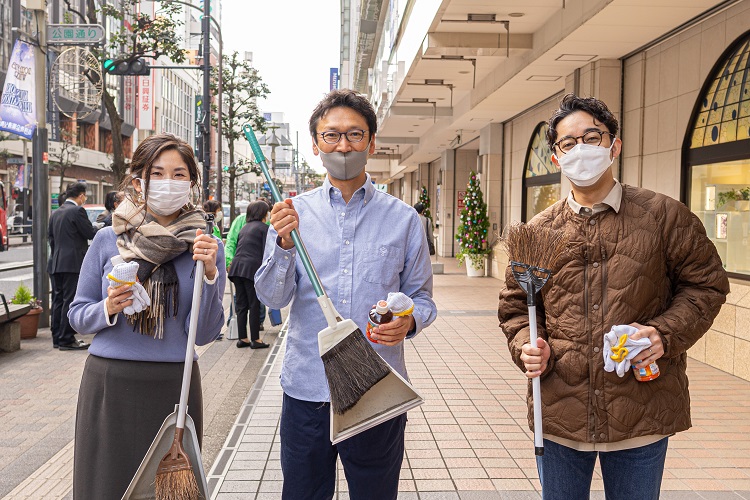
x,y
344,166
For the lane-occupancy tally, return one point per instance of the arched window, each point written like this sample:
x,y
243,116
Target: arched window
x,y
717,158
541,180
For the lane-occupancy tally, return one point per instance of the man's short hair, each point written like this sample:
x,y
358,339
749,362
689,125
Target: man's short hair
x,y
344,98
419,207
74,190
571,103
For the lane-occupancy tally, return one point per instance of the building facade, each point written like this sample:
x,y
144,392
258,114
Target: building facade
x,y
463,86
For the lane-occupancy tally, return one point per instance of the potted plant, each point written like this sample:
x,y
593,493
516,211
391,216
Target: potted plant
x,y
472,231
740,197
29,321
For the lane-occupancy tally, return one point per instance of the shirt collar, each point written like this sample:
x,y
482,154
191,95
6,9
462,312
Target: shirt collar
x,y
73,202
612,200
368,188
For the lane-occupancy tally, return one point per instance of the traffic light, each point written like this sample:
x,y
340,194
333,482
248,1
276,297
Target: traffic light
x,y
138,67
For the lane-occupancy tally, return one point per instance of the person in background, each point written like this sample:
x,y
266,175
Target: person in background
x,y
365,244
637,260
132,377
111,201
231,245
427,224
214,207
69,233
247,260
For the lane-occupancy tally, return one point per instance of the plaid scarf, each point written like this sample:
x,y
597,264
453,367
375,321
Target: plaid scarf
x,y
142,239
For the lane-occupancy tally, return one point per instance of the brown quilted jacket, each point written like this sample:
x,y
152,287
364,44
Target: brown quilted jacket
x,y
651,263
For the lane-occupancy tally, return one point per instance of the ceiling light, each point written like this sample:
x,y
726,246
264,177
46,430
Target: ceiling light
x,y
576,57
451,57
433,81
543,78
516,14
481,18
410,131
420,99
464,72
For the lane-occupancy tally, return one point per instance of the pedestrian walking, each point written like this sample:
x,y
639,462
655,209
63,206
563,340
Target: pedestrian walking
x,y
68,234
640,264
132,378
247,259
365,244
427,225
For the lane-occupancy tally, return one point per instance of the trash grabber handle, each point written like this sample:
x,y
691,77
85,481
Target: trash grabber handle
x,y
306,262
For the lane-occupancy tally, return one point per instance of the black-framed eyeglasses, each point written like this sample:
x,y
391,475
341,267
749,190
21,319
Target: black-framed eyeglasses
x,y
592,138
354,135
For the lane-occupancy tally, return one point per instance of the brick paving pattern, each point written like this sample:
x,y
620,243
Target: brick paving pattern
x,y
468,441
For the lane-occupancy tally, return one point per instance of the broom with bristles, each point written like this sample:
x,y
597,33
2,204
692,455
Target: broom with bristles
x,y
352,366
175,479
533,251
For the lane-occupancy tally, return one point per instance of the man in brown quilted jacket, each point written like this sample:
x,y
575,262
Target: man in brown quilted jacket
x,y
635,258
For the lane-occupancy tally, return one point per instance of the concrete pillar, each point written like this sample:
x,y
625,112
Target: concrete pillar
x,y
447,204
490,154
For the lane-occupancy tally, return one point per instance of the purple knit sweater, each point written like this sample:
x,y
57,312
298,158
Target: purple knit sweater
x,y
87,314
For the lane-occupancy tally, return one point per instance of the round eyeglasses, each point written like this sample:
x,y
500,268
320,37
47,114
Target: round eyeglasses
x,y
331,137
592,138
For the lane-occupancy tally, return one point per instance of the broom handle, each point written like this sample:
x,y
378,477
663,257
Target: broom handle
x,y
261,160
187,372
536,390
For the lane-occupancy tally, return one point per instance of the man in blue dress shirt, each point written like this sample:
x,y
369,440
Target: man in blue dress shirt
x,y
365,244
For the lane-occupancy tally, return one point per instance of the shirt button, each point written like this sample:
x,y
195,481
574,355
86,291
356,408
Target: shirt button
x,y
343,214
286,257
346,271
596,264
347,242
596,307
597,392
592,222
596,349
602,435
343,301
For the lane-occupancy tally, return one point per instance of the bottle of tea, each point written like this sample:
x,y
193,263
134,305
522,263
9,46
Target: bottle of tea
x,y
378,315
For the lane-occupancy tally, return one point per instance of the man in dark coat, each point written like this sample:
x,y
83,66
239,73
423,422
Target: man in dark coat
x,y
69,232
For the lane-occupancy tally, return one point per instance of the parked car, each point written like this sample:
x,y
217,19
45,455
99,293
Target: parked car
x,y
93,211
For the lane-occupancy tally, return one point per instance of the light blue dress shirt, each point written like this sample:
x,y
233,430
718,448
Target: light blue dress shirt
x,y
362,250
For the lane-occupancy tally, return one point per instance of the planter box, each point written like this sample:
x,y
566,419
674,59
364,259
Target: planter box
x,y
30,323
472,271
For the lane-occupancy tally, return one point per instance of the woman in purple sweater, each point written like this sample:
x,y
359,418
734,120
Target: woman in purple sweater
x,y
132,377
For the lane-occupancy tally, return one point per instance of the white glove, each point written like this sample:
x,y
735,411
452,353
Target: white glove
x,y
400,304
140,300
126,273
623,352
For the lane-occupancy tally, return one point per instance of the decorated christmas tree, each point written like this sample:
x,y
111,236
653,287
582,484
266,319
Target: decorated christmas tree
x,y
424,199
472,231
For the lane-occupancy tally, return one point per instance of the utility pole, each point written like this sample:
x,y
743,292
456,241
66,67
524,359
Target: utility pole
x,y
40,177
206,22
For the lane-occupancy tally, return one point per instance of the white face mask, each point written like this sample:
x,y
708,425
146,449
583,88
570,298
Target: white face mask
x,y
166,197
585,164
218,217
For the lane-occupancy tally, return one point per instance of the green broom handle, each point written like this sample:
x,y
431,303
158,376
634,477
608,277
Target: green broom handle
x,y
261,160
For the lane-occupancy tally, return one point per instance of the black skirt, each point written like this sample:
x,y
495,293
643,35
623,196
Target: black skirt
x,y
121,406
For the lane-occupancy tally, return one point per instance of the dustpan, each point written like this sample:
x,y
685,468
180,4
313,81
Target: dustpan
x,y
142,485
388,398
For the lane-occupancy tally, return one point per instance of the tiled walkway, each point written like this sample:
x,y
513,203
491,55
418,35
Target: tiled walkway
x,y
470,439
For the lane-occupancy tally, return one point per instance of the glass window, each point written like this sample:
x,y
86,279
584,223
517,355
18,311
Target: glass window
x,y
541,178
717,158
720,197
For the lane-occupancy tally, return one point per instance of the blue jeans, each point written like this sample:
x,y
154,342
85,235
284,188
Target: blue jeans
x,y
371,459
635,473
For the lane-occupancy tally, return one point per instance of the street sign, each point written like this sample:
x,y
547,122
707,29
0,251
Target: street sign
x,y
74,34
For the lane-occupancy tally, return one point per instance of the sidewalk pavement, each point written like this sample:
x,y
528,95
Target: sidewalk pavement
x,y
470,440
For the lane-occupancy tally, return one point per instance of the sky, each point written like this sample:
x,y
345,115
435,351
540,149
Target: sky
x,y
294,45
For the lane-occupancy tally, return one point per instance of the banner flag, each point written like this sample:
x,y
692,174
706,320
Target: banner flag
x,y
18,101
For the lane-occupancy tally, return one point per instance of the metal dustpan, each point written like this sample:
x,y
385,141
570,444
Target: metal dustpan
x,y
142,485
